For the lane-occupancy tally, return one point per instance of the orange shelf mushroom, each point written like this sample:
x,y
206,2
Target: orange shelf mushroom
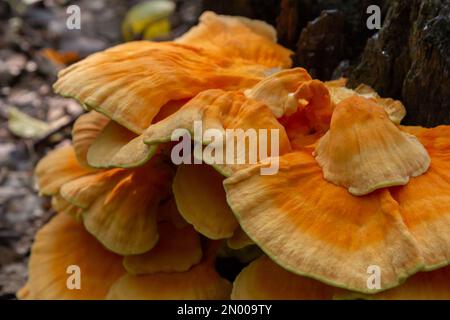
x,y
364,151
353,189
265,280
62,243
316,228
118,206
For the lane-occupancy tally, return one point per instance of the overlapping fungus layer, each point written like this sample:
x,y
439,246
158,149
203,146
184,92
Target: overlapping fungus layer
x,y
354,189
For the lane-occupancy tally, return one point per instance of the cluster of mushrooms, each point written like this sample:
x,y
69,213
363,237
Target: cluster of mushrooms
x,y
354,190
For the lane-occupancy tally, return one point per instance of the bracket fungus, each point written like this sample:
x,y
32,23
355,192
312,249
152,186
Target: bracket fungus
x,y
353,187
200,282
263,279
219,111
364,151
201,200
177,250
316,228
338,92
64,242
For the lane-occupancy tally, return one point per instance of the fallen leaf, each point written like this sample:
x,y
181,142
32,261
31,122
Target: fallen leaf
x,y
148,20
24,126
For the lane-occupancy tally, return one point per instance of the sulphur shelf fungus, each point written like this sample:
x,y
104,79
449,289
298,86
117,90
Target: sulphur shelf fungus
x,y
364,151
339,91
318,229
118,206
265,280
144,215
84,269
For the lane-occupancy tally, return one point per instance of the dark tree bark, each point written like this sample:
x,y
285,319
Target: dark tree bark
x,y
322,44
410,60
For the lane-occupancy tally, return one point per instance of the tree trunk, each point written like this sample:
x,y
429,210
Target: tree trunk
x,y
410,60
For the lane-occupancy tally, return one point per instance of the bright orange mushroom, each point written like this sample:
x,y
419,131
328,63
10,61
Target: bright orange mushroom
x,y
118,206
316,228
263,279
62,243
364,151
354,189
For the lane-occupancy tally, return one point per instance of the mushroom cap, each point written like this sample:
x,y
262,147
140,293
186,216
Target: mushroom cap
x,y
432,285
277,91
239,38
312,117
364,151
58,167
120,206
201,282
61,243
339,92
314,228
265,280
317,229
117,206
220,110
425,200
85,130
103,143
131,82
177,250
118,147
201,200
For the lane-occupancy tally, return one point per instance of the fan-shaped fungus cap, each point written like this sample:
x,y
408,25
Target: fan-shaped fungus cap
x,y
177,250
364,151
85,130
278,91
201,200
118,147
265,280
424,201
432,285
131,82
120,206
58,167
238,38
339,92
315,228
199,282
219,110
62,243
312,117
102,143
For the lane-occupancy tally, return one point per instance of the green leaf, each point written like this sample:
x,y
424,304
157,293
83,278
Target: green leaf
x,y
148,20
24,126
